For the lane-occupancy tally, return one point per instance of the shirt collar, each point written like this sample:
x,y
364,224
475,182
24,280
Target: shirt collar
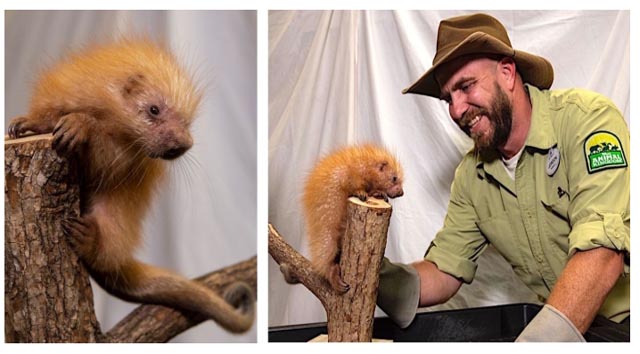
x,y
541,133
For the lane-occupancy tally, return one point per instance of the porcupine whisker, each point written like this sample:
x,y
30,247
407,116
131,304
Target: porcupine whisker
x,y
117,159
198,165
145,171
185,175
134,170
189,169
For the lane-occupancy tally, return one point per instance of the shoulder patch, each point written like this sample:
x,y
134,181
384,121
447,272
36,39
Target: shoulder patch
x,y
602,150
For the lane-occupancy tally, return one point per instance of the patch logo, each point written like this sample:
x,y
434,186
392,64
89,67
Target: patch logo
x,y
602,151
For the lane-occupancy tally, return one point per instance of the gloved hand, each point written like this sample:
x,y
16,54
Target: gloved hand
x,y
550,325
398,292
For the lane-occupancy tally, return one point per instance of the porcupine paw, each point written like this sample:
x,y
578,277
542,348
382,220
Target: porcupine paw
x,y
20,125
239,295
69,135
285,269
380,195
335,279
361,194
82,235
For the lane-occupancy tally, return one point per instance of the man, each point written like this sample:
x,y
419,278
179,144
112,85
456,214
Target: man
x,y
547,184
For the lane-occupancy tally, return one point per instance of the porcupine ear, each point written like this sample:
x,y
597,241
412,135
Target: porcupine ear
x,y
382,165
133,85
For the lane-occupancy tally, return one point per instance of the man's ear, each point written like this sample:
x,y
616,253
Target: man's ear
x,y
507,72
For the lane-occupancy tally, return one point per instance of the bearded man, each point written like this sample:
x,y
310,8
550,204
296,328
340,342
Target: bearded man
x,y
547,184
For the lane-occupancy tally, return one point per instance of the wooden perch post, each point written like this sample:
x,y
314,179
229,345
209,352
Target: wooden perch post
x,y
48,295
349,315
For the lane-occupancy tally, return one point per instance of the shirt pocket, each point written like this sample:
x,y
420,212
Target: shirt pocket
x,y
557,204
555,208
501,234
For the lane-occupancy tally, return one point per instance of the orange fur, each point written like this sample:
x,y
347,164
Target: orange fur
x,y
120,110
361,171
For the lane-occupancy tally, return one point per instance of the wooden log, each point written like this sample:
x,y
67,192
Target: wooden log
x,y
349,315
48,295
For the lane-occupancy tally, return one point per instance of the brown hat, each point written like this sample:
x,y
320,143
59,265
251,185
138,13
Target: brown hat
x,y
479,34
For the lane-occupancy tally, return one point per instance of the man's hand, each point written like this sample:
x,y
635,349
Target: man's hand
x,y
405,287
550,325
398,292
576,298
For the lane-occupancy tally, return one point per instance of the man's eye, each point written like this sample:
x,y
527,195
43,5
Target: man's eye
x,y
467,86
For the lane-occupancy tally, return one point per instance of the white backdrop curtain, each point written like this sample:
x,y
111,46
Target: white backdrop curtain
x,y
335,78
205,217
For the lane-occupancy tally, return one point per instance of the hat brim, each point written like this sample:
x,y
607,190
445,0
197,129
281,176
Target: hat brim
x,y
533,69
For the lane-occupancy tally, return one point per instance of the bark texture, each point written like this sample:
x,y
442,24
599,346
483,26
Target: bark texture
x,y
48,296
349,315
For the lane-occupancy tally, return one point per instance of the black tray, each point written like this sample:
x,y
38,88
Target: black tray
x,y
482,324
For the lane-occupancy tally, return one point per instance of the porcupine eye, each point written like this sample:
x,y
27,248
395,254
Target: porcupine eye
x,y
394,179
154,110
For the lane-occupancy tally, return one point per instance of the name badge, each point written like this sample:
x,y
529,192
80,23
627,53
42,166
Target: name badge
x,y
553,161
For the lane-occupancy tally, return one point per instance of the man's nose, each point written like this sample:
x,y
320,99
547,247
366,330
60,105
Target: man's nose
x,y
457,107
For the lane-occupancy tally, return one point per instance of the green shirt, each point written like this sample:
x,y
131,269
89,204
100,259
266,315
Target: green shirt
x,y
553,208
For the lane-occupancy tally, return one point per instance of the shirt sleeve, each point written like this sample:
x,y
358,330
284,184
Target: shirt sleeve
x,y
599,180
459,243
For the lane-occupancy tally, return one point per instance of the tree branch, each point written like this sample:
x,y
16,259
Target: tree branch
x,y
297,266
155,323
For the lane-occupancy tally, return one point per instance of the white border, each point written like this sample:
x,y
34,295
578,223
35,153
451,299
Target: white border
x,y
262,153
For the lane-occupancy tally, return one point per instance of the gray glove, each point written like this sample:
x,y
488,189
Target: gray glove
x,y
399,292
550,325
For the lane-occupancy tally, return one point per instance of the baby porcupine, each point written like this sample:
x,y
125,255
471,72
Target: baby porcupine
x,y
120,110
360,171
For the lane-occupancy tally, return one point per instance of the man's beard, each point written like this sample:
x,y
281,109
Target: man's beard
x,y
500,119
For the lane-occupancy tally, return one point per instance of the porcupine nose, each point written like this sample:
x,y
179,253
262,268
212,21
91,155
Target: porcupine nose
x,y
174,152
396,192
178,147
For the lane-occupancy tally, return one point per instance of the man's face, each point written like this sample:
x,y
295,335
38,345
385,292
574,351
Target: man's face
x,y
476,101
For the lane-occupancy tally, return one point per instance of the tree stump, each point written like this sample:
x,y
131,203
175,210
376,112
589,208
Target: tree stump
x,y
48,295
349,315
